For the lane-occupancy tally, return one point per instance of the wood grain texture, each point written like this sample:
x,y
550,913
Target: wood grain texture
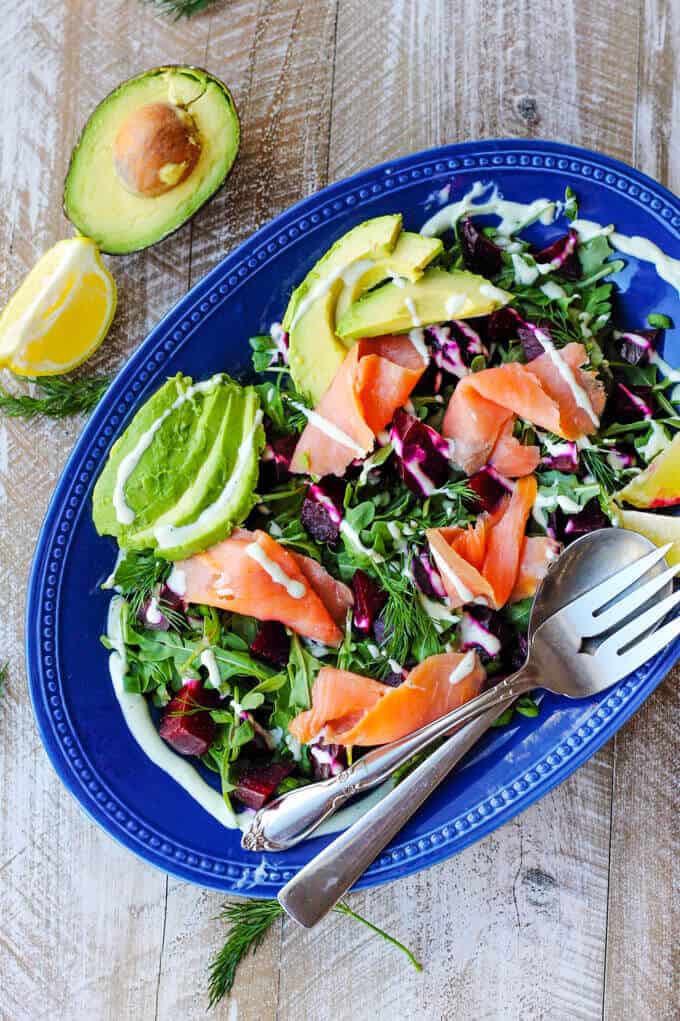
x,y
569,911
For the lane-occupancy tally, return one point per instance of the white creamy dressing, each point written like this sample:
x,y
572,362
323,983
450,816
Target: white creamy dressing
x,y
444,568
472,633
465,666
553,290
635,246
275,529
317,648
177,581
657,441
579,394
209,661
438,611
454,305
329,429
138,719
171,535
493,293
124,514
355,540
354,272
525,272
548,502
111,580
395,667
153,612
293,746
416,335
294,588
318,290
372,650
397,280
395,531
514,216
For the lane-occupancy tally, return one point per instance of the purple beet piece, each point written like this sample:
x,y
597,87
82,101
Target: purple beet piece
x,y
489,487
503,325
322,509
422,454
567,527
629,403
635,346
186,723
327,760
380,630
454,346
563,256
486,630
271,643
275,461
257,784
531,335
564,457
369,599
394,680
173,599
480,254
426,576
519,653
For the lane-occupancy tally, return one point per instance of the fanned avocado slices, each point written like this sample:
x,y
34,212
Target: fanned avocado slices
x,y
184,472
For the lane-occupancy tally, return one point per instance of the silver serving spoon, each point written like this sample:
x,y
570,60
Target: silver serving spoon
x,y
294,816
586,563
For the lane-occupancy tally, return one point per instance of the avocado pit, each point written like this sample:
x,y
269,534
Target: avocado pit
x,y
156,148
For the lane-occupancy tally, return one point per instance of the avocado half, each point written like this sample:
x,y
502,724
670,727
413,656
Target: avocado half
x,y
150,155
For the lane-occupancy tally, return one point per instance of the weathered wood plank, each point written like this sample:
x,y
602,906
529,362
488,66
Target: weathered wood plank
x,y
515,926
82,921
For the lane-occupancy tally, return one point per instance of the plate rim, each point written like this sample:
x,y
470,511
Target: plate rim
x,y
117,406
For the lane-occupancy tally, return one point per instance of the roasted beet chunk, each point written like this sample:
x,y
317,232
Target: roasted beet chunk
x,y
271,643
186,723
275,461
628,403
503,325
532,337
257,784
480,254
485,630
567,527
422,454
327,760
426,576
635,346
369,600
563,256
454,346
488,487
520,651
322,509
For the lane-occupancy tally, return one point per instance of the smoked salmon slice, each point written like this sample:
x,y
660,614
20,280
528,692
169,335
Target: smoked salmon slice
x,y
376,377
355,710
482,408
252,574
538,554
482,562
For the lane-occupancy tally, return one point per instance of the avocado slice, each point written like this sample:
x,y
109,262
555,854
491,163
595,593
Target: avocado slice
x,y
439,295
186,466
316,353
411,254
149,156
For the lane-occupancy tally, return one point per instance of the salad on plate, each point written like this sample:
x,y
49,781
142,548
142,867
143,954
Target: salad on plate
x,y
344,546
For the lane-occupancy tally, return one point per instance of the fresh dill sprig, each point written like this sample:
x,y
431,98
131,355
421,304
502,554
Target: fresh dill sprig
x,y
407,625
249,922
597,465
60,397
137,574
182,8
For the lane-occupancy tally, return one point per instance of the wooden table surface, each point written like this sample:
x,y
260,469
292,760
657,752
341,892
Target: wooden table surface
x,y
571,910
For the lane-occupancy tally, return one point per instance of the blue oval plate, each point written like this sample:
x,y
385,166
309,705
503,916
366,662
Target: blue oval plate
x,y
78,716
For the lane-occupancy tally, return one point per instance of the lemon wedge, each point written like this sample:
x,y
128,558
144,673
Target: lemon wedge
x,y
61,312
659,484
658,528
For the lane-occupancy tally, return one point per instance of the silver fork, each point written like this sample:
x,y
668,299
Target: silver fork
x,y
583,648
592,633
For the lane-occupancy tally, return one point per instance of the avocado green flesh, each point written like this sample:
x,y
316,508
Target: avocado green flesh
x,y
180,479
97,202
361,258
412,253
439,295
